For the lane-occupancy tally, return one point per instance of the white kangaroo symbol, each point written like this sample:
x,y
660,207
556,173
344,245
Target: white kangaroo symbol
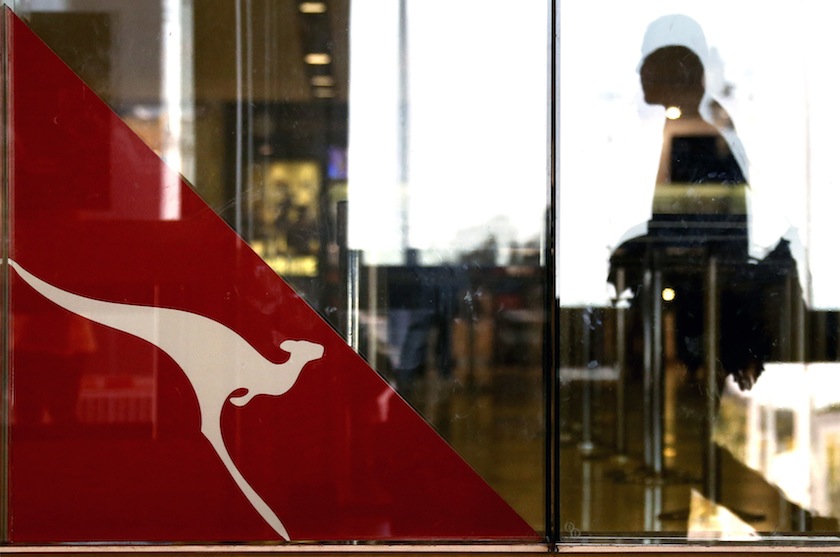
x,y
215,359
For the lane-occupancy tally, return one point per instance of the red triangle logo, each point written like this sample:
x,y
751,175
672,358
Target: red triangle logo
x,y
167,385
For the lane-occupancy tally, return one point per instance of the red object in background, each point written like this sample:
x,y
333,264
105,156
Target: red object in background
x,y
338,457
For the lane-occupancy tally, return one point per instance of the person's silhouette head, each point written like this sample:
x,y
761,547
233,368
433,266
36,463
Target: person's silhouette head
x,y
674,54
673,76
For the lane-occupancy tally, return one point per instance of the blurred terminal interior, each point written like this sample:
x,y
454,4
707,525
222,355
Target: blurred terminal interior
x,y
264,138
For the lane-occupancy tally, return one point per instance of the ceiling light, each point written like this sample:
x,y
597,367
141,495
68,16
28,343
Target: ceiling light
x,y
322,81
312,7
323,92
673,112
317,58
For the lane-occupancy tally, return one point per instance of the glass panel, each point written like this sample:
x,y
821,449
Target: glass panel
x,y
5,329
448,130
698,323
144,301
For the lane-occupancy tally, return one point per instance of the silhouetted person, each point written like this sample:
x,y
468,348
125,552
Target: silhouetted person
x,y
673,76
701,150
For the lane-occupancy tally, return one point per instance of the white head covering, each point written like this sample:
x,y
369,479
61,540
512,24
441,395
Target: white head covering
x,y
675,30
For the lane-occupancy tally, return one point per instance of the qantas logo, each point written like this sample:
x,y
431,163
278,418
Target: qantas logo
x,y
219,364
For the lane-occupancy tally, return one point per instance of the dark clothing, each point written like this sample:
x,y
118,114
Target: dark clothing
x,y
421,300
680,244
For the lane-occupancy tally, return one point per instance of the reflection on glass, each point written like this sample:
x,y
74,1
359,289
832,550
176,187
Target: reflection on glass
x,y
703,313
451,276
57,350
692,222
786,429
285,231
259,127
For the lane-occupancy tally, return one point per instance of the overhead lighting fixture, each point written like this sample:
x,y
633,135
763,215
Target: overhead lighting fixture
x,y
673,112
317,58
323,93
312,7
322,81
